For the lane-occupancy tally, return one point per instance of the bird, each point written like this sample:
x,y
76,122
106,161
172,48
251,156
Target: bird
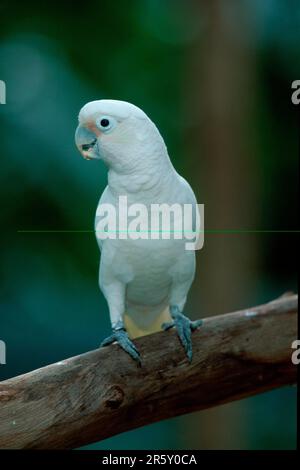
x,y
145,281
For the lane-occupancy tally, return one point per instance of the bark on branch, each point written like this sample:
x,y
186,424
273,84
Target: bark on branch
x,y
102,393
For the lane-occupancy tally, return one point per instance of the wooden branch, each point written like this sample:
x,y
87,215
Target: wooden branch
x,y
103,392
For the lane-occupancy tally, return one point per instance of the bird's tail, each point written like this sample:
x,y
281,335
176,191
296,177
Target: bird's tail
x,y
135,331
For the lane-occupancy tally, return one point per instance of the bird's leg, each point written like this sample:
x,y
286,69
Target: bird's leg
x,y
120,336
184,327
114,292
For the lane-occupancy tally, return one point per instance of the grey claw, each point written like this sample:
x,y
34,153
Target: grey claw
x,y
167,326
196,324
122,338
109,340
184,333
184,327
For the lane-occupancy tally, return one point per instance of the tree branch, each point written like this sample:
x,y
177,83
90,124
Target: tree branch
x,y
102,393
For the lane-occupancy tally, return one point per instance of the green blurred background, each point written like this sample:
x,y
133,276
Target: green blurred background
x,y
216,78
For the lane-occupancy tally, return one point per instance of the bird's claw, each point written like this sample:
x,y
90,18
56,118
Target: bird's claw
x,y
121,337
184,327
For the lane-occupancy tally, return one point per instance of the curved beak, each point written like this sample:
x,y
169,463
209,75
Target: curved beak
x,y
86,142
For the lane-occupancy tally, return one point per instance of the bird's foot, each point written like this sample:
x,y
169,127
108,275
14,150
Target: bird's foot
x,y
121,337
184,327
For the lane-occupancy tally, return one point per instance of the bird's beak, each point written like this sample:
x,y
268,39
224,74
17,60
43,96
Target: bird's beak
x,y
86,142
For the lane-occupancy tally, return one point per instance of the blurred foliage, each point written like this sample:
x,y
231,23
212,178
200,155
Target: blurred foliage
x,y
55,57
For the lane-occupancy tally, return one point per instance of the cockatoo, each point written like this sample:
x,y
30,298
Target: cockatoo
x,y
145,281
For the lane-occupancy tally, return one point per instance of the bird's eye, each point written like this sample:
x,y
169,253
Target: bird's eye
x,y
105,124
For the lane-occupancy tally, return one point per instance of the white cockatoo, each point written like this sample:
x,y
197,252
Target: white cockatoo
x,y
145,281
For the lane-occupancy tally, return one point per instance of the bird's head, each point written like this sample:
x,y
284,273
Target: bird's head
x,y
118,133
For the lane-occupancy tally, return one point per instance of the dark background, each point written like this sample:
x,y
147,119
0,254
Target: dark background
x,y
215,76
